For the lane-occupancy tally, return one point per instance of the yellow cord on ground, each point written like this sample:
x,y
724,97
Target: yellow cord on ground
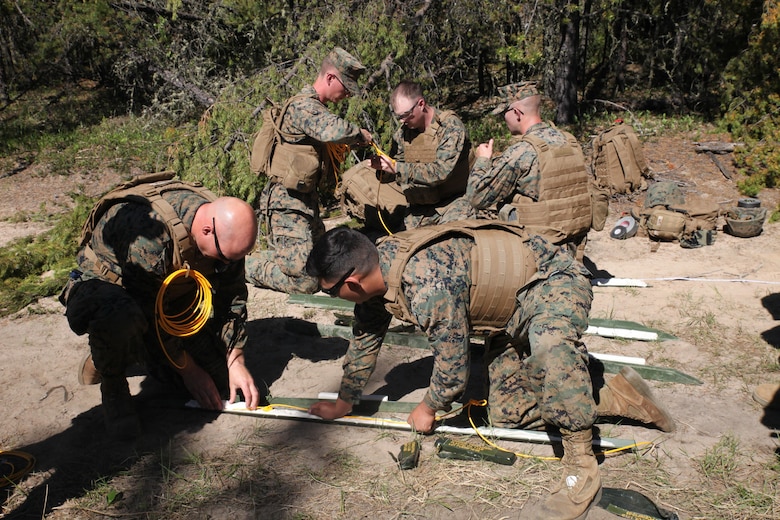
x,y
15,473
189,321
468,406
492,444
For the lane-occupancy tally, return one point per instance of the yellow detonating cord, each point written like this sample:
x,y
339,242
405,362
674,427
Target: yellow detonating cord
x,y
483,402
378,210
189,321
10,469
337,153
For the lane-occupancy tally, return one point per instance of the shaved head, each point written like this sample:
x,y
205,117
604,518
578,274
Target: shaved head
x,y
225,228
237,226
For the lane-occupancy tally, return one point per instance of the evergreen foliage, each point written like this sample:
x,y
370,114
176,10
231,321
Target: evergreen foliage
x,y
751,107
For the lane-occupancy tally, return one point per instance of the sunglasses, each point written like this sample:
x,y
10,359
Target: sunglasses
x,y
405,115
220,254
334,289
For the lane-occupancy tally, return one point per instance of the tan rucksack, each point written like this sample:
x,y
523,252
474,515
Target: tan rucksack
x,y
267,137
668,215
618,159
363,196
146,189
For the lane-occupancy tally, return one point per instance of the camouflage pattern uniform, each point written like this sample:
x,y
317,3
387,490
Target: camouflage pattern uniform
x,y
537,368
292,218
134,242
453,143
515,172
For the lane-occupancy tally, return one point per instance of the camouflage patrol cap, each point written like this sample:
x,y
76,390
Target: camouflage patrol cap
x,y
508,94
349,68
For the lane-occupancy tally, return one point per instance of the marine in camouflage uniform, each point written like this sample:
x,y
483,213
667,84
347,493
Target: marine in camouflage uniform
x,y
537,366
112,298
515,174
516,171
291,218
538,372
433,181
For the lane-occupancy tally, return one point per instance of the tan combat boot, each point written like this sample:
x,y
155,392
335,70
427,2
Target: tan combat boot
x,y
767,395
118,410
627,395
88,374
580,486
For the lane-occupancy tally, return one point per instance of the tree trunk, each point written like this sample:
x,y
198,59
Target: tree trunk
x,y
566,62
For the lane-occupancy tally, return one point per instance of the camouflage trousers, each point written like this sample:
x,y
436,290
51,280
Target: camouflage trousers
x,y
537,373
292,224
120,335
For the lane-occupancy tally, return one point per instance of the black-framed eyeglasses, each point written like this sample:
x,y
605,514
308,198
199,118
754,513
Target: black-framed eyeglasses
x,y
405,115
349,94
220,254
334,289
514,109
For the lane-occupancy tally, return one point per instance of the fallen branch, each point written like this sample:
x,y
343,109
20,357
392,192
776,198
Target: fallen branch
x,y
719,147
723,170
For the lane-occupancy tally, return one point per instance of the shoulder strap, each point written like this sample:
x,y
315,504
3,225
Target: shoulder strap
x,y
147,189
278,119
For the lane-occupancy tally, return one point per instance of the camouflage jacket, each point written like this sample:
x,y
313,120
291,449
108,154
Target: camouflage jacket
x,y
436,283
135,243
515,172
453,141
308,116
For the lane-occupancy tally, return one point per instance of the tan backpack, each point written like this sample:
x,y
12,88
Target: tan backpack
x,y
365,197
267,138
146,189
618,159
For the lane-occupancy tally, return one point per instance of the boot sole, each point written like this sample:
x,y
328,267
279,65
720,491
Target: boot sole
x,y
636,381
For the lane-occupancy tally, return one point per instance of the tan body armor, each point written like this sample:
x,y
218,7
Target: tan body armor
x,y
564,198
146,189
296,160
501,265
422,149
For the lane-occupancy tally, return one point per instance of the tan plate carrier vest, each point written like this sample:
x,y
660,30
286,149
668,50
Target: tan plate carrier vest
x,y
146,189
564,198
501,265
295,165
422,149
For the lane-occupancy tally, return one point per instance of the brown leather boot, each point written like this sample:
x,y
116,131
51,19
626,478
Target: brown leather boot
x,y
118,410
88,374
580,486
627,395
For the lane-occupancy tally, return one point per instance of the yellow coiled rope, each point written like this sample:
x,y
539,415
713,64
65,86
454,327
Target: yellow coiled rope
x,y
14,465
189,321
337,153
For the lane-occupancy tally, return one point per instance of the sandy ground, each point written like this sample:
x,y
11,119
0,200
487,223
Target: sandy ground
x,y
725,317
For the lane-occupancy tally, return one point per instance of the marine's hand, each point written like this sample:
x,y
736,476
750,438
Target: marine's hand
x,y
366,136
240,379
485,150
331,410
422,418
200,385
380,162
